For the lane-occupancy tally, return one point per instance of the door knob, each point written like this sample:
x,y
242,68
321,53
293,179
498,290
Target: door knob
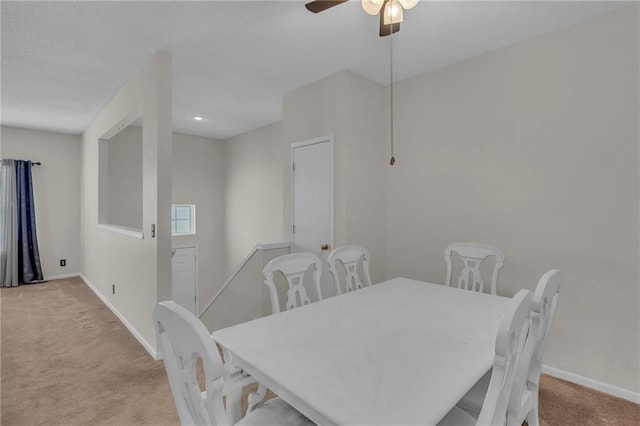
x,y
325,246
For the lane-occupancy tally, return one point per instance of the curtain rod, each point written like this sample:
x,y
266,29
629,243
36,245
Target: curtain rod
x,y
35,163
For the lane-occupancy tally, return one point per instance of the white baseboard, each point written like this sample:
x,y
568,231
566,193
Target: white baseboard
x,y
592,384
61,277
121,317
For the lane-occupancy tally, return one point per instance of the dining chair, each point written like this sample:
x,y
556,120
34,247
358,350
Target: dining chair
x,y
294,267
509,346
473,254
349,257
182,340
523,402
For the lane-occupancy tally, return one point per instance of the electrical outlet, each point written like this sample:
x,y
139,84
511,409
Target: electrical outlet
x,y
63,262
113,289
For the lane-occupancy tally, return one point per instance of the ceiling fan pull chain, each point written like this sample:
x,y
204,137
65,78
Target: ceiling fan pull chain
x,y
393,159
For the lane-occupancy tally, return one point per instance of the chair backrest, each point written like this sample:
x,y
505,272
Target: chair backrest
x,y
510,342
182,339
294,267
350,257
543,308
545,303
472,255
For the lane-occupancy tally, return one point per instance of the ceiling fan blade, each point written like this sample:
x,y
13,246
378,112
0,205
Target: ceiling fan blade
x,y
389,29
320,5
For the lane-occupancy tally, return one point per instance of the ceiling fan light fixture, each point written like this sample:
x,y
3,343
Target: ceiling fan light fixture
x,y
393,13
372,7
408,4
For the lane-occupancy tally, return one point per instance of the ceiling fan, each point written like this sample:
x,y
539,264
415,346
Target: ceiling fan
x,y
390,11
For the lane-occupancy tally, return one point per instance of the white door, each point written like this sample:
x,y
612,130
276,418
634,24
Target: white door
x,y
312,202
183,287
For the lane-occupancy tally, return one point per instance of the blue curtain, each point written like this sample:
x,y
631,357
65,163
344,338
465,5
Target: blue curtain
x,y
8,225
29,268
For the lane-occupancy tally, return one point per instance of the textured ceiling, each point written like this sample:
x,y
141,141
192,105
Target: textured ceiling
x,y
233,60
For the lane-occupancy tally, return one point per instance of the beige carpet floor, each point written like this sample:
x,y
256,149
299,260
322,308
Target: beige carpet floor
x,y
67,360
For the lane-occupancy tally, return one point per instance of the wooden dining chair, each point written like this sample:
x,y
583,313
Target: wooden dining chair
x,y
182,340
473,254
523,402
294,267
350,257
509,347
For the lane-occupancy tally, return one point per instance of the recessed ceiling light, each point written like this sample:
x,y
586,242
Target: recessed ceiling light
x,y
198,118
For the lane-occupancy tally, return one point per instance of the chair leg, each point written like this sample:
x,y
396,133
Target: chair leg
x,y
256,397
234,405
533,415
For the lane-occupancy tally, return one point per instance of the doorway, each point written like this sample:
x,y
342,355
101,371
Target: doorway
x,y
183,278
312,202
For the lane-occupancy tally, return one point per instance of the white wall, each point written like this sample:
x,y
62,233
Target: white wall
x,y
56,187
534,149
253,192
362,167
352,109
140,268
197,171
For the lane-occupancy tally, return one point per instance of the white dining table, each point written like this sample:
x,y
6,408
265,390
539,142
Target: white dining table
x,y
401,352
